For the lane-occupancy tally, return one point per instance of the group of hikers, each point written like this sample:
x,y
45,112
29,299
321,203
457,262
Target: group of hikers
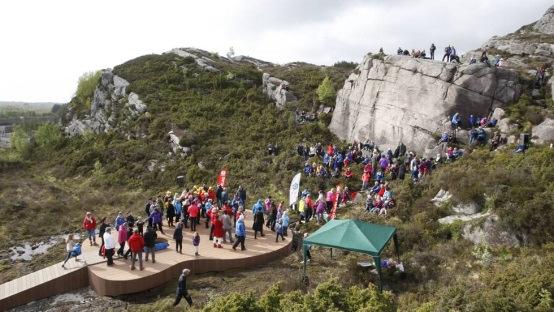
x,y
450,54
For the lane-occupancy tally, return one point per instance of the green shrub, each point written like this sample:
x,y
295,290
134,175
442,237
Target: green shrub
x,y
85,91
49,136
325,91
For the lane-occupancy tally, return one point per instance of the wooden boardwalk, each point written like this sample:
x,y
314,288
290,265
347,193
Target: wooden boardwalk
x,y
119,279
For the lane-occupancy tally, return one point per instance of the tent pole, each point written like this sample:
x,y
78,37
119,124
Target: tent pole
x,y
396,247
377,261
305,249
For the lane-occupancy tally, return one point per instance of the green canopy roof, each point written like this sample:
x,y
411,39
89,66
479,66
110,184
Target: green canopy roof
x,y
353,235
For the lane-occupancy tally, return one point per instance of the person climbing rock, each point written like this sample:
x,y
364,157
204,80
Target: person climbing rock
x,y
447,52
182,289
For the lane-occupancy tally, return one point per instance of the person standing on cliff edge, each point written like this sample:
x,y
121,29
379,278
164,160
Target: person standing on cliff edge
x,y
432,50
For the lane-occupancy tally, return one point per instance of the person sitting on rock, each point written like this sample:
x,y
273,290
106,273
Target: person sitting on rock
x,y
455,121
484,58
400,51
348,174
443,138
472,136
481,135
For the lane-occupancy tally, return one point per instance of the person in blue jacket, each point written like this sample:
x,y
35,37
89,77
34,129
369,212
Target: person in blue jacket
x,y
240,233
119,220
178,205
257,206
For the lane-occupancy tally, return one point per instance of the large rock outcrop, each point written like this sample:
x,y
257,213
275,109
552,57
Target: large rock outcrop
x,y
525,48
409,100
111,108
277,90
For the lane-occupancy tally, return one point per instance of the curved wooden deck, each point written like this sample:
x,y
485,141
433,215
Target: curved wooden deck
x,y
119,279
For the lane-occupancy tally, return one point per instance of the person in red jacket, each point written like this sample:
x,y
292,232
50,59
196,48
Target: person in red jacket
x,y
136,244
218,231
89,224
194,215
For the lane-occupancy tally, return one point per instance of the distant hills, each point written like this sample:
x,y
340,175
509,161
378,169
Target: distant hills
x,y
39,107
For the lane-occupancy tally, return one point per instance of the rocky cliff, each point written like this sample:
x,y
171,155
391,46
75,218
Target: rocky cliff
x,y
528,47
403,99
112,108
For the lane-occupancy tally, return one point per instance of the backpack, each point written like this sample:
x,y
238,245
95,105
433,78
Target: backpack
x,y
76,250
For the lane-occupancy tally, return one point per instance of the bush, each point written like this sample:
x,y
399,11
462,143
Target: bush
x,y
48,136
328,296
85,90
325,91
20,141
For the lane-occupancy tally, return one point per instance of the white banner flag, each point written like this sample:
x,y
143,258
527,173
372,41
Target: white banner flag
x,y
294,189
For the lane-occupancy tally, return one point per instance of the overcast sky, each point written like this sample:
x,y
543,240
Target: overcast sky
x,y
46,45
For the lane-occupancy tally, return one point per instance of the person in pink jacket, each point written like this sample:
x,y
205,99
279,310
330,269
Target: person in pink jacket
x,y
122,238
330,199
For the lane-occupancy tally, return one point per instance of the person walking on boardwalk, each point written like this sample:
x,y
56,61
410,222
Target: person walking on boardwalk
x,y
109,245
149,243
73,249
178,237
156,217
182,289
89,224
136,244
101,231
196,242
258,225
240,233
227,226
122,238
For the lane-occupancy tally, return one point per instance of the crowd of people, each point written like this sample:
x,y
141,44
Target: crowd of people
x,y
130,237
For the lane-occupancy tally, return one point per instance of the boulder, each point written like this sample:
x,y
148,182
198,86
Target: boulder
x,y
544,132
466,209
277,90
489,232
409,100
498,113
441,198
463,218
505,126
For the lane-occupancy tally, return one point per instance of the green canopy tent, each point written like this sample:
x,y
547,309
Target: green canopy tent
x,y
356,236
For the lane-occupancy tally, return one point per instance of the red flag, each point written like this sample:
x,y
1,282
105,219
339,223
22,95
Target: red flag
x,y
221,178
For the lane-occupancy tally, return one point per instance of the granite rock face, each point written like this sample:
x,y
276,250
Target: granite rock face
x,y
403,99
111,109
544,132
277,90
526,47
